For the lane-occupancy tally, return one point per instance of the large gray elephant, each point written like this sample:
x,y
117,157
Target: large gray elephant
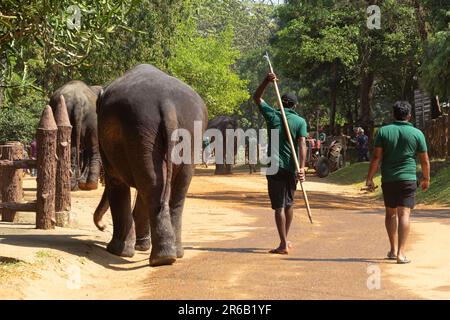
x,y
137,115
81,106
222,123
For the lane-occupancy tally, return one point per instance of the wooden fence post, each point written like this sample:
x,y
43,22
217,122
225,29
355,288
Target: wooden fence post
x,y
62,193
11,191
46,168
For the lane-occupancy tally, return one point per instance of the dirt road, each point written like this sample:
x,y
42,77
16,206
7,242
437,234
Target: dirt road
x,y
228,229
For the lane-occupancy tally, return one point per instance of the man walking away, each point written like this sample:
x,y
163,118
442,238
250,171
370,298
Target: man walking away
x,y
282,185
396,146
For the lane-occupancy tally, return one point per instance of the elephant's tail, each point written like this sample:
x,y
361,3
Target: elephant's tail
x,y
77,116
170,123
102,207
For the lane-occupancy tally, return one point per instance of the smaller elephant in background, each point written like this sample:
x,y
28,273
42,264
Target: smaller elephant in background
x,y
222,123
81,101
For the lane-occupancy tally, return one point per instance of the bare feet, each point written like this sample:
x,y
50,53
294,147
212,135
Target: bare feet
x,y
279,251
391,255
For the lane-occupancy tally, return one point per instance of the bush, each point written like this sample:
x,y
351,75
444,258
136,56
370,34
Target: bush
x,y
17,124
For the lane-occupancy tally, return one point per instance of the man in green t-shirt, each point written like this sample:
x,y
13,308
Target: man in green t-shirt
x,y
282,184
396,147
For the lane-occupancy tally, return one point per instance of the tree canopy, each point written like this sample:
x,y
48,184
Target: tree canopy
x,y
324,50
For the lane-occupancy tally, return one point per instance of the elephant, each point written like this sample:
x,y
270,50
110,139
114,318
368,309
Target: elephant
x,y
223,123
137,115
81,106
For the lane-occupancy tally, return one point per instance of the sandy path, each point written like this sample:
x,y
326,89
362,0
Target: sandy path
x,y
429,274
73,263
228,228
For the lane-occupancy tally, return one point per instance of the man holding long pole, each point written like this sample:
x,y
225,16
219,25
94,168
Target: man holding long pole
x,y
282,185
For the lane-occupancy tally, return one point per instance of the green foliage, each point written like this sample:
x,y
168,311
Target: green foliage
x,y
17,124
206,63
322,50
355,175
435,70
439,191
327,46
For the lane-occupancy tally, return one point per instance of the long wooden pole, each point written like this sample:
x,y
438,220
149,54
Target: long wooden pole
x,y
291,142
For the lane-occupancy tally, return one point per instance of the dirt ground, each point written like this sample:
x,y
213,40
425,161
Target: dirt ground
x,y
227,230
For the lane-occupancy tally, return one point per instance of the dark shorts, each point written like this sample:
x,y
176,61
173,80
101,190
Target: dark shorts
x,y
400,194
282,188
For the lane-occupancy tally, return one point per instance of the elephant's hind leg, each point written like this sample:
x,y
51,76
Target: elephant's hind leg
x,y
179,190
162,237
124,238
142,224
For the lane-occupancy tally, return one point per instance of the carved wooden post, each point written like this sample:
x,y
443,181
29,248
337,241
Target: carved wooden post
x,y
11,186
62,193
46,167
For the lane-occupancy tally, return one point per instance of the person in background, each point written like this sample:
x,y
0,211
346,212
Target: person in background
x,y
25,156
362,145
396,146
33,154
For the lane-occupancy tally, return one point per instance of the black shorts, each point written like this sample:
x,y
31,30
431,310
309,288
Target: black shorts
x,y
400,194
282,188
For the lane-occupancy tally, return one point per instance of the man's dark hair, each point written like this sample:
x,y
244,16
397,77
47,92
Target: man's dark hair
x,y
402,109
289,100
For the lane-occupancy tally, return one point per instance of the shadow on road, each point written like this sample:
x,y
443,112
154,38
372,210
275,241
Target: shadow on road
x,y
235,250
89,249
346,260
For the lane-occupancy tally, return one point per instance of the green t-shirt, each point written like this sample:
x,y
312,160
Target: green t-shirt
x,y
297,127
400,142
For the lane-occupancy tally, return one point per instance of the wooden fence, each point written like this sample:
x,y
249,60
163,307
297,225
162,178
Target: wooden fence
x,y
52,205
437,133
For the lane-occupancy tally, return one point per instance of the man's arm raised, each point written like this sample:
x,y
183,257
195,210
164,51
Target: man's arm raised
x,y
257,97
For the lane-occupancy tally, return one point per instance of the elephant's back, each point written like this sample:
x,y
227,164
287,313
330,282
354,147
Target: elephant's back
x,y
145,87
75,93
223,122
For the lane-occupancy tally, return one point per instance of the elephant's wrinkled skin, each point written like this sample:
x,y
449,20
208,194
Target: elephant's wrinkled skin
x,y
222,123
81,107
137,115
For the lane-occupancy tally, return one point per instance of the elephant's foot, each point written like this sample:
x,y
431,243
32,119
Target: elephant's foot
x,y
88,186
162,261
143,244
163,256
180,251
74,187
121,248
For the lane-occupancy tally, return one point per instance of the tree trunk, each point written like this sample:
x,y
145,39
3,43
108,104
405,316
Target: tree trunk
x,y
448,136
11,180
46,164
423,32
63,181
366,102
333,96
